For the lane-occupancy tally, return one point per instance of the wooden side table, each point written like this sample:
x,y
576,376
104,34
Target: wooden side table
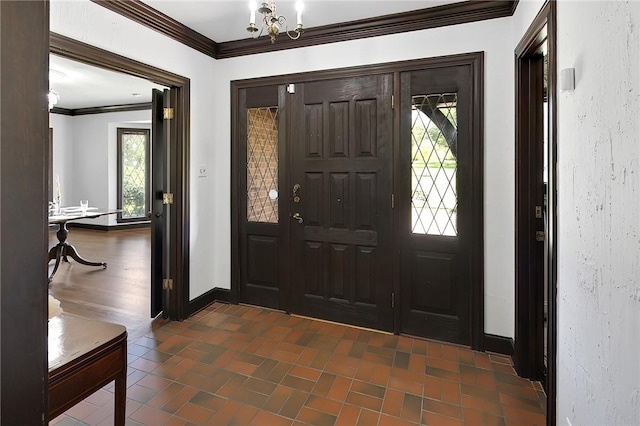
x,y
85,355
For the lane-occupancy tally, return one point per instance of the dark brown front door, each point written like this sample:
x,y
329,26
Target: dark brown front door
x,y
436,203
340,193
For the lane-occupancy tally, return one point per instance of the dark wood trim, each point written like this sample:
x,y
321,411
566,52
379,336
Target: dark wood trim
x,y
235,195
151,18
102,109
552,313
180,167
217,294
61,111
433,17
476,62
82,52
122,227
24,135
477,245
543,27
514,6
498,344
112,108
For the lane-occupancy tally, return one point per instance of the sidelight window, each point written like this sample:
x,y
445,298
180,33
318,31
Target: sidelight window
x,y
133,174
434,131
262,164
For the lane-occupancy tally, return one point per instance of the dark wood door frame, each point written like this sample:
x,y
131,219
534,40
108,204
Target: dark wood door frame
x,y
475,61
528,350
179,152
24,42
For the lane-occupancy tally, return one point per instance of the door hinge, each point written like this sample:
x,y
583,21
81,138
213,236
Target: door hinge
x,y
291,88
393,300
538,212
393,102
167,198
540,235
167,284
167,113
393,201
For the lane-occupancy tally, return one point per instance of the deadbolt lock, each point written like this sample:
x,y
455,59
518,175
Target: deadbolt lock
x,y
538,212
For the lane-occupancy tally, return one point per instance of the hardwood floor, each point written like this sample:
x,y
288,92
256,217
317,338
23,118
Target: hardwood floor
x,y
121,292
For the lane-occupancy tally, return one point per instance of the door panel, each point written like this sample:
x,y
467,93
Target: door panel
x,y
259,121
342,161
435,203
158,158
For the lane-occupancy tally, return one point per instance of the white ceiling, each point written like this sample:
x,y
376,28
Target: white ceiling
x,y
226,20
86,86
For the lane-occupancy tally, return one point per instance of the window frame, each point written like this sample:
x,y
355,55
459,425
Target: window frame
x,y
121,131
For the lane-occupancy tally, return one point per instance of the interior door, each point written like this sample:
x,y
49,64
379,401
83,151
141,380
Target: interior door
x,y
435,203
263,260
159,213
341,201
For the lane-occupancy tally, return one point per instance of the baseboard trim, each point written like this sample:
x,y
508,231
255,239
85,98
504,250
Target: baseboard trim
x,y
216,294
498,344
122,227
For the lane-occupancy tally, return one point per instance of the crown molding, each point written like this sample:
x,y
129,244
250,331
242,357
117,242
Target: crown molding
x,y
158,21
61,111
102,109
432,17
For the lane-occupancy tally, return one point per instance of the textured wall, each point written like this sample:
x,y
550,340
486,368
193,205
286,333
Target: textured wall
x,y
599,222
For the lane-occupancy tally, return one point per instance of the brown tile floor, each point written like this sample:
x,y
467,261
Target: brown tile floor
x,y
242,365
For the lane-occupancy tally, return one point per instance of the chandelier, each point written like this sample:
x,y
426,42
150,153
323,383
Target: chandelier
x,y
272,23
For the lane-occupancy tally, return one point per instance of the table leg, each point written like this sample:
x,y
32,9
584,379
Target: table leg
x,y
55,253
70,250
121,400
63,250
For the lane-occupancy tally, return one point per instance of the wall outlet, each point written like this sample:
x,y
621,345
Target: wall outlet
x,y
202,171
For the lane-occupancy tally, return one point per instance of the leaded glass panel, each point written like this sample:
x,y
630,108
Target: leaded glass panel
x,y
434,130
262,164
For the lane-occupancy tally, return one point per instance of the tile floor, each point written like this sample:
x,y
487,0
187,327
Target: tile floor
x,y
243,365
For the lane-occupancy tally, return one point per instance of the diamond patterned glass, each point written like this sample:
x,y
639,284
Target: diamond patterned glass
x,y
134,173
262,164
434,201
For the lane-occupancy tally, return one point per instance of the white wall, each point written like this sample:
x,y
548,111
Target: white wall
x,y
85,157
599,225
93,24
493,37
62,126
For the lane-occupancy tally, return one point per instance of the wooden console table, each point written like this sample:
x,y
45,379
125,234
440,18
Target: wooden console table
x,y
84,356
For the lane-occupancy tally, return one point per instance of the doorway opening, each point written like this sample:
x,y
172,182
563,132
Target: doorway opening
x,y
169,249
536,194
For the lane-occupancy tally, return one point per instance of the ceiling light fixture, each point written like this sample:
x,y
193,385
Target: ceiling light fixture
x,y
272,23
53,97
